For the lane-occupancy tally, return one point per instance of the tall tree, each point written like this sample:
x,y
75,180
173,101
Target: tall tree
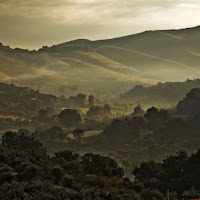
x,y
91,100
70,118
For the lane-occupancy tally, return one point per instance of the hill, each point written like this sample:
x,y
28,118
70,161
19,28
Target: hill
x,y
171,55
161,94
106,66
25,103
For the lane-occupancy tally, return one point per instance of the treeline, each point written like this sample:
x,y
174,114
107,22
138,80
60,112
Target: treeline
x,y
181,122
148,131
155,133
177,177
27,172
25,102
22,107
167,93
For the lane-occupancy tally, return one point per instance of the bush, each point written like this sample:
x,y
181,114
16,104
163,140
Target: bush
x,y
6,177
57,173
191,194
151,194
67,181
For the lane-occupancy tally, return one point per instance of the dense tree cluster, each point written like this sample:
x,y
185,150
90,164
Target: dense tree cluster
x,y
22,107
161,94
78,101
98,112
181,123
125,130
178,173
70,118
190,104
27,172
24,102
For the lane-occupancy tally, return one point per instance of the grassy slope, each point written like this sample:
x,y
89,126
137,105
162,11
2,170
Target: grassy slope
x,y
141,58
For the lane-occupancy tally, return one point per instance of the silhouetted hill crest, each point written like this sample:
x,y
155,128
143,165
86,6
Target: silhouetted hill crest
x,y
110,65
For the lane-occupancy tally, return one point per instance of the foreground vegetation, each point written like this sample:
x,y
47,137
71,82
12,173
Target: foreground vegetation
x,y
53,159
27,172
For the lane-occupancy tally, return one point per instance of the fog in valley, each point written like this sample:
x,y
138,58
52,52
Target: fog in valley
x,y
114,119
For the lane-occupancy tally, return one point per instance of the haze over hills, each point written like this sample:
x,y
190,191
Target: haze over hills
x,y
105,65
162,95
126,100
155,54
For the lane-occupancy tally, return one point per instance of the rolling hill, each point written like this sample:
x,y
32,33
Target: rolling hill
x,y
162,94
106,66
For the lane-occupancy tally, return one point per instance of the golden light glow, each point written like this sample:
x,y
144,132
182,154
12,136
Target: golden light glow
x,y
31,24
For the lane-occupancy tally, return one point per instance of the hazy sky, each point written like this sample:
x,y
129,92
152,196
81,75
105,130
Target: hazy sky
x,y
34,23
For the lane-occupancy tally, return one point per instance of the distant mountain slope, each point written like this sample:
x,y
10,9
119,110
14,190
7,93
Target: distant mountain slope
x,y
157,54
160,94
51,68
112,66
23,102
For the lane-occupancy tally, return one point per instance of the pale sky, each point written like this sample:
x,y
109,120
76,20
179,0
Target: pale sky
x,y
34,23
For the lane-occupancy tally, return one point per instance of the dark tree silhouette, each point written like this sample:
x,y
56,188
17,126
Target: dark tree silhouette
x,y
91,100
77,133
69,118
